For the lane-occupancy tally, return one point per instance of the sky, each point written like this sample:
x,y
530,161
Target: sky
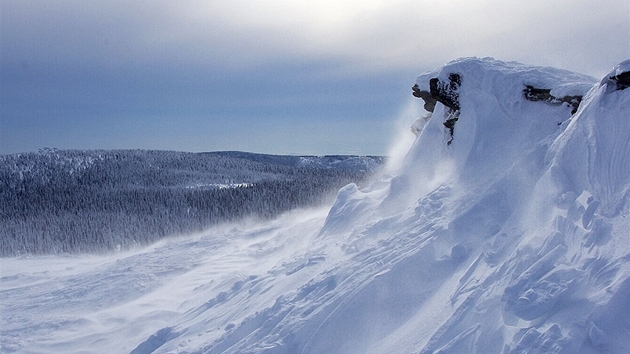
x,y
274,76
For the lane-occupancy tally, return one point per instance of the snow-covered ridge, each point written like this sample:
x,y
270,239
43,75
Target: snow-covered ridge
x,y
512,238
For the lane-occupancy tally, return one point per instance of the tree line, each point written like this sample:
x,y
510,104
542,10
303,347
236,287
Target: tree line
x,y
76,201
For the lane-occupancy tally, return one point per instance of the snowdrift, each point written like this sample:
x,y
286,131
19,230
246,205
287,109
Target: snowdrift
x,y
506,230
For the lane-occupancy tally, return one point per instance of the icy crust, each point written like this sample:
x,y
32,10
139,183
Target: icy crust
x,y
512,239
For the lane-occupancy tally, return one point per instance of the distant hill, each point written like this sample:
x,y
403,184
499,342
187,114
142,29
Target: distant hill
x,y
88,201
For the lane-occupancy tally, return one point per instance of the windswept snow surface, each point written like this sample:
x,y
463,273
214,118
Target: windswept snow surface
x,y
515,238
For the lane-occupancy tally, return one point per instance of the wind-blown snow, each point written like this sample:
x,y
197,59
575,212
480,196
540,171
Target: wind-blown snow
x,y
512,239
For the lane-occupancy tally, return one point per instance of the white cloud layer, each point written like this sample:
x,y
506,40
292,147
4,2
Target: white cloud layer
x,y
579,35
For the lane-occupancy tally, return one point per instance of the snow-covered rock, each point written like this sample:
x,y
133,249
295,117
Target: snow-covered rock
x,y
513,238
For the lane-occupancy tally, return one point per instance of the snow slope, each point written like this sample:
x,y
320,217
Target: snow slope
x,y
513,238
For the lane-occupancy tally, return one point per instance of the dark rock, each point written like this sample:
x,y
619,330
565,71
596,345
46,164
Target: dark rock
x,y
537,94
439,91
622,80
447,94
450,124
429,101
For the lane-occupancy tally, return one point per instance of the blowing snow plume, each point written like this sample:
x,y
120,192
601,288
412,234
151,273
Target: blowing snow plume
x,y
505,230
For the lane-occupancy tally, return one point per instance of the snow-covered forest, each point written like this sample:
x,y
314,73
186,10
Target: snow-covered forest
x,y
87,201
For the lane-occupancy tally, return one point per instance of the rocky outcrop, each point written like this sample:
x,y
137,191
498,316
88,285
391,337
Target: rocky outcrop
x,y
542,94
447,94
449,123
429,100
444,92
621,81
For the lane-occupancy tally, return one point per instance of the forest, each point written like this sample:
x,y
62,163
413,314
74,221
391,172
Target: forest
x,y
76,201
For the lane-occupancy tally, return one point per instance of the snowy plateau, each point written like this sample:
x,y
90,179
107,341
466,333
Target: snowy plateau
x,y
506,230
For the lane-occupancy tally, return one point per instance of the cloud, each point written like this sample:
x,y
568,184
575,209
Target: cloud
x,y
366,35
376,35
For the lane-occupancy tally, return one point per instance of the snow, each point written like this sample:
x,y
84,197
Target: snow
x,y
511,239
